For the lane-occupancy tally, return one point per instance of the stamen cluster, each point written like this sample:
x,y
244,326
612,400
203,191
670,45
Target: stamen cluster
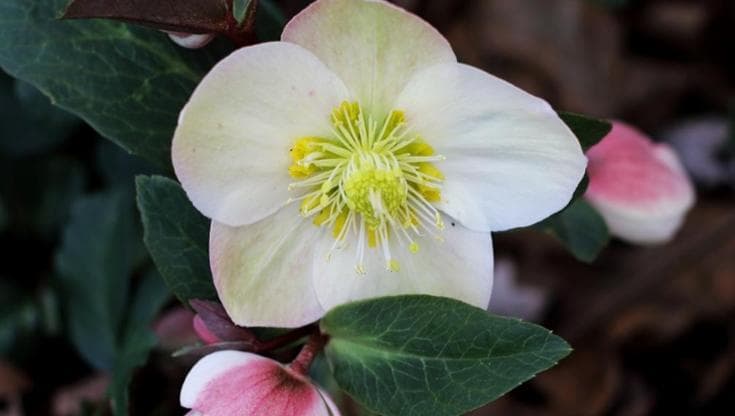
x,y
373,179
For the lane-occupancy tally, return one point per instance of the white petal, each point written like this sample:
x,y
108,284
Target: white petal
x,y
510,160
373,46
460,267
231,148
262,271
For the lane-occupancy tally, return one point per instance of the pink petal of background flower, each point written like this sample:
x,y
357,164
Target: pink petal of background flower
x,y
639,186
229,383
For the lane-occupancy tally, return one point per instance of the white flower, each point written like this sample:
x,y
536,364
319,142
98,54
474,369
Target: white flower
x,y
356,158
639,187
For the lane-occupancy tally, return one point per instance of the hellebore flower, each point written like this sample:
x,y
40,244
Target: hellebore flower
x,y
227,383
639,187
356,158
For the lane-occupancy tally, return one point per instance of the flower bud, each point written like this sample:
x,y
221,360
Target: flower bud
x,y
228,383
638,186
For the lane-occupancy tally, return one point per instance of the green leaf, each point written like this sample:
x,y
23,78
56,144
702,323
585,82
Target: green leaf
x,y
29,123
240,9
40,192
589,131
94,264
176,235
269,21
137,339
128,83
424,355
581,229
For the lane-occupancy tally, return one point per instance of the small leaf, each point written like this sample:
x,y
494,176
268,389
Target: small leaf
x,y
94,264
240,9
269,21
589,131
176,235
424,355
128,83
190,16
137,338
581,229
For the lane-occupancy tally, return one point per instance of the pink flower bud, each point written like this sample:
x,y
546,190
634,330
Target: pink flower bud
x,y
203,332
228,383
638,186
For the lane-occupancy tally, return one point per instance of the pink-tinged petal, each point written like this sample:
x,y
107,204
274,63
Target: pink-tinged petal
x,y
190,40
373,46
228,383
510,161
231,147
262,271
203,332
460,267
638,186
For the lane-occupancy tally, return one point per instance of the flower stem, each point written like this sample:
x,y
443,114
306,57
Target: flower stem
x,y
306,356
285,339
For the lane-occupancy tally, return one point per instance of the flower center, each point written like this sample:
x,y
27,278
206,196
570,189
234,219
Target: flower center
x,y
373,179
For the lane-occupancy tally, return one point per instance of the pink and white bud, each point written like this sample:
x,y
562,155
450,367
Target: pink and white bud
x,y
203,331
228,383
638,186
191,40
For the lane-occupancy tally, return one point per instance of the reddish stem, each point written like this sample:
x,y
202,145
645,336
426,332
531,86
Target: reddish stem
x,y
242,34
306,356
283,340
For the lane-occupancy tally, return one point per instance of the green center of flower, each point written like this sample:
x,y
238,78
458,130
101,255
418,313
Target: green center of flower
x,y
374,179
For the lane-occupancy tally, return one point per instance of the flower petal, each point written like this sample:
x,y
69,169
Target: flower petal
x,y
460,267
639,187
262,271
510,160
231,147
372,45
191,40
228,383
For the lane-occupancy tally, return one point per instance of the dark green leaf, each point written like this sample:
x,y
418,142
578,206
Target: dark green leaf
x,y
128,83
240,9
424,355
41,192
581,188
118,168
137,339
269,21
18,316
191,16
581,229
29,123
176,235
94,264
589,131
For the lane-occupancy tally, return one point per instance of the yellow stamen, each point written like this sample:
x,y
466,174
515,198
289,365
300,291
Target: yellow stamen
x,y
374,179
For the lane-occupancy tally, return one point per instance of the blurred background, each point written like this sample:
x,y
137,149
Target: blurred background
x,y
653,327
